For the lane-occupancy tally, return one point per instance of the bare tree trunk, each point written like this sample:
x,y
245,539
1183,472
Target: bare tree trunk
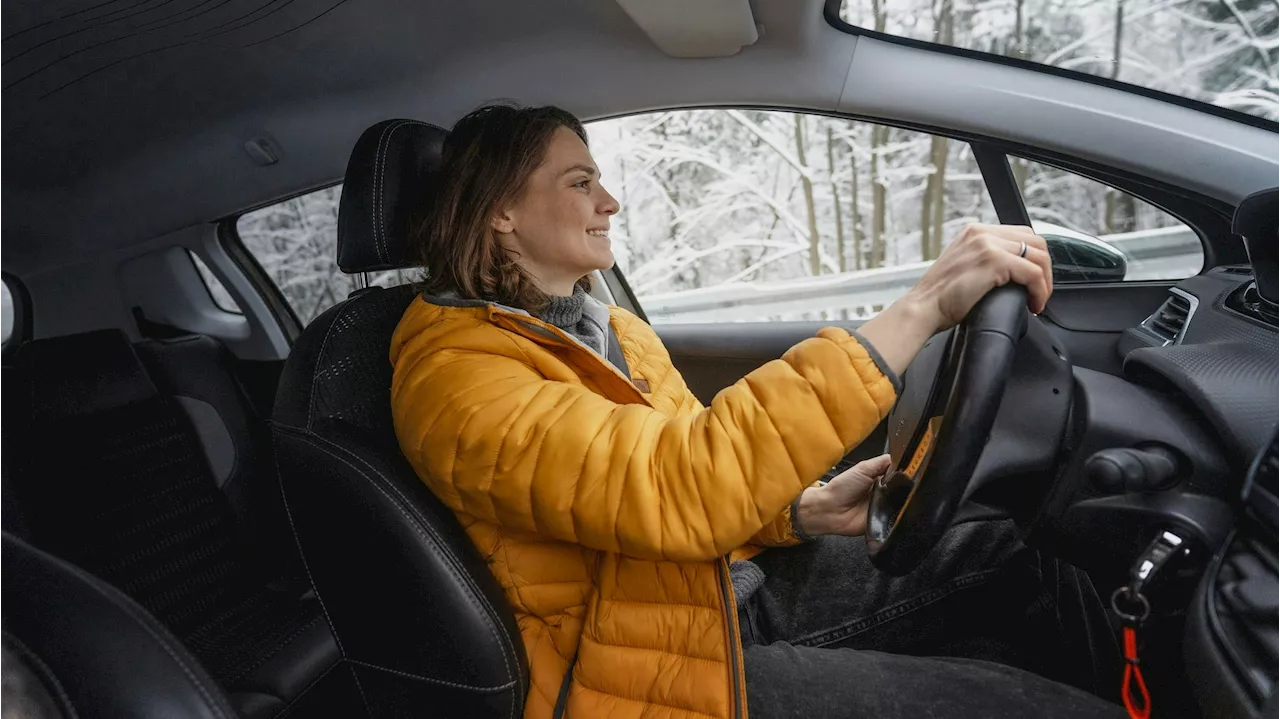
x,y
815,260
1018,50
1019,167
876,254
1117,47
1121,212
855,229
926,209
940,148
835,199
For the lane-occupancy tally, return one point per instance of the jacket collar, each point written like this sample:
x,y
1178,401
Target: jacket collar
x,y
593,308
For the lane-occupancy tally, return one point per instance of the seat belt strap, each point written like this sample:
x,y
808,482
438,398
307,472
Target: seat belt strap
x,y
614,350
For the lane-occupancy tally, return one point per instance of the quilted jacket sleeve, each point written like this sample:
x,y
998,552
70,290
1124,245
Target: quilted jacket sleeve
x,y
779,532
495,440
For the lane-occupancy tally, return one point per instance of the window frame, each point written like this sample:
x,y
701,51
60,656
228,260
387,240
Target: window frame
x,y
281,311
1209,218
22,320
831,13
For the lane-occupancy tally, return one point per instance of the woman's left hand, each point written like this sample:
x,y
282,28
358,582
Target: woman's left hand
x,y
840,506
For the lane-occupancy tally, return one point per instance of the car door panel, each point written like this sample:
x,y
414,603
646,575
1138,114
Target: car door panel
x,y
1086,319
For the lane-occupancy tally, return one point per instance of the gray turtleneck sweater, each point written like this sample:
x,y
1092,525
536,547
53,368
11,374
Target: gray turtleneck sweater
x,y
582,317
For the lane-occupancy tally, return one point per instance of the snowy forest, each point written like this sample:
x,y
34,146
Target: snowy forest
x,y
722,197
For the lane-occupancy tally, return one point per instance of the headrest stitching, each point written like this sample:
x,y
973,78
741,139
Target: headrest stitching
x,y
384,145
379,156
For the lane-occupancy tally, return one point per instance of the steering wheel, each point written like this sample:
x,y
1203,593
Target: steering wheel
x,y
937,431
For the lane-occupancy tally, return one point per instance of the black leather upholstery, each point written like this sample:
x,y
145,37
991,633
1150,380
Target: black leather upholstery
x,y
110,473
417,614
385,193
96,652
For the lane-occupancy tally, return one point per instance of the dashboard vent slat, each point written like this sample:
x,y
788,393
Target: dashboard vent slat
x,y
1168,322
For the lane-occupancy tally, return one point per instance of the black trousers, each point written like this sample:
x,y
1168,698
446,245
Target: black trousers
x,y
986,627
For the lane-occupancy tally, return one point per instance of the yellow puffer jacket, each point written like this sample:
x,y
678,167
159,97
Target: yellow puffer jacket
x,y
608,513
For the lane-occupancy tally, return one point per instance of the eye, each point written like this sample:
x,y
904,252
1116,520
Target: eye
x,y
584,184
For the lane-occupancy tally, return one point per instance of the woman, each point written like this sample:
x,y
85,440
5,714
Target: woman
x,y
610,503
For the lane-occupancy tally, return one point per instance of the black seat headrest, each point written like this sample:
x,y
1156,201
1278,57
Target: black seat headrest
x,y
83,373
385,194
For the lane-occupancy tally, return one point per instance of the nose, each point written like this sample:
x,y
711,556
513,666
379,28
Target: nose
x,y
609,206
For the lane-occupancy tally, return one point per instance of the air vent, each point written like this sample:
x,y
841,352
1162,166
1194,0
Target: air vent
x,y
1170,321
1236,270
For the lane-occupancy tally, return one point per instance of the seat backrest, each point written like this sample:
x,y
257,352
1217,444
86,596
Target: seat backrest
x,y
202,376
110,474
90,651
413,606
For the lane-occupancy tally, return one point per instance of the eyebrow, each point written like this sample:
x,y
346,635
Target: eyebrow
x,y
581,168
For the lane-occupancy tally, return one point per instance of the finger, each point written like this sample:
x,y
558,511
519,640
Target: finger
x,y
1043,245
1030,275
1038,255
1032,238
875,466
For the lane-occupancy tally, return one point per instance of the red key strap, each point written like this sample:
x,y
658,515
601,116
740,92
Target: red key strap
x,y
1133,679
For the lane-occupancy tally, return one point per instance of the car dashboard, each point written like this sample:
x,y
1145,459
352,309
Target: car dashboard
x,y
1208,342
1213,340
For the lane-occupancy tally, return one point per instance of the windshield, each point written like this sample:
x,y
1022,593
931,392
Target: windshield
x,y
1222,52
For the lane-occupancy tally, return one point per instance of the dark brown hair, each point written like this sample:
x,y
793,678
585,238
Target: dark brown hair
x,y
487,160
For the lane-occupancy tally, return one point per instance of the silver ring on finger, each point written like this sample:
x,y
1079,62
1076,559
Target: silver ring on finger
x,y
1023,252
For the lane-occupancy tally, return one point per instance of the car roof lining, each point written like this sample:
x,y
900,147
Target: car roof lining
x,y
166,145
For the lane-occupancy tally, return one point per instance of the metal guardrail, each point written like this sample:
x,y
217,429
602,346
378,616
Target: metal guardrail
x,y
1173,252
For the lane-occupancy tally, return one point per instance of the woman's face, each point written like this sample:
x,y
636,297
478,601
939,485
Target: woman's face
x,y
559,227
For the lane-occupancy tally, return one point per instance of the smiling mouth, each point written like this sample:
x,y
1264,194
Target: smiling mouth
x,y
598,233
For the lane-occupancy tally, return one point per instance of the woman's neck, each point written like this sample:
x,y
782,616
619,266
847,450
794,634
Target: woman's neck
x,y
551,285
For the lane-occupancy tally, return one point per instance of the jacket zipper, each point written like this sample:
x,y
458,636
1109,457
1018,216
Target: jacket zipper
x,y
734,641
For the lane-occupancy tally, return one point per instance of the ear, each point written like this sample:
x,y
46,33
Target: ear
x,y
502,223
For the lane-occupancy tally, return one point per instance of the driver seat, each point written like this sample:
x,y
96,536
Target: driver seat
x,y
418,617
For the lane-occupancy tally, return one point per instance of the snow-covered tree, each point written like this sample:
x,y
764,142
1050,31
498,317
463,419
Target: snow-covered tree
x,y
723,197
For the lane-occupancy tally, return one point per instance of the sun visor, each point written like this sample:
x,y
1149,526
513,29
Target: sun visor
x,y
695,28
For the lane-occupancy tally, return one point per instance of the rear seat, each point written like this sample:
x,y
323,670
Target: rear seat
x,y
147,467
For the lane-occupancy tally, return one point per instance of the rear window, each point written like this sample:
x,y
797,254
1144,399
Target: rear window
x,y
296,242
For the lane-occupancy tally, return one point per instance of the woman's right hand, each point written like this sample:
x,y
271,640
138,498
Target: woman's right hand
x,y
979,259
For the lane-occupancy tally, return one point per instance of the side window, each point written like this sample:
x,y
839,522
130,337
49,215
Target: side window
x,y
221,297
752,216
1097,233
7,312
296,243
